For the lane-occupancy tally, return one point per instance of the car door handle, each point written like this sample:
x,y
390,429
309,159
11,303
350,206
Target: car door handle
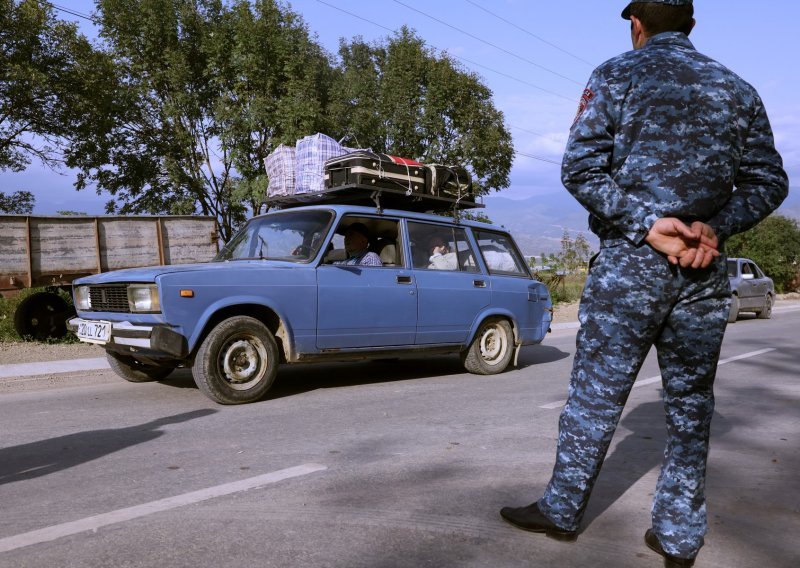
x,y
479,283
404,279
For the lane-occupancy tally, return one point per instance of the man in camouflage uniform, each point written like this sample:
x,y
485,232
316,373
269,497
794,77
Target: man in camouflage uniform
x,y
662,137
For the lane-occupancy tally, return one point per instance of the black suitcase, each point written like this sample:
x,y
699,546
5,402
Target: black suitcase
x,y
453,182
380,171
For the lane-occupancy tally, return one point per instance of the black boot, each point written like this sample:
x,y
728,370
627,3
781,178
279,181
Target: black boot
x,y
531,519
670,561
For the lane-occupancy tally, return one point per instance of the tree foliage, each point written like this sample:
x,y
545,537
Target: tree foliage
x,y
19,202
46,73
774,244
203,90
402,98
177,106
572,258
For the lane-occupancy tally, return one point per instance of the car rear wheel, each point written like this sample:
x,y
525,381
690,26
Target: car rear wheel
x,y
134,371
734,313
237,362
766,311
491,350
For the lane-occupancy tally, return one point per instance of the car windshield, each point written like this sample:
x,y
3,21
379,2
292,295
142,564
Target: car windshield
x,y
294,236
732,269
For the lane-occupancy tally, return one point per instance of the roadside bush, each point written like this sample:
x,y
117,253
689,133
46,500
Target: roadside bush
x,y
564,288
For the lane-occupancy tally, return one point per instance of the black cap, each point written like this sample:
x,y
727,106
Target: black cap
x,y
626,13
359,228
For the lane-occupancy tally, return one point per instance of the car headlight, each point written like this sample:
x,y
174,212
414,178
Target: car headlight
x,y
82,299
143,298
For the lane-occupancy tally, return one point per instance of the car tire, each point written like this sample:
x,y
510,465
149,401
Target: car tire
x,y
733,315
42,316
492,348
766,311
134,371
237,362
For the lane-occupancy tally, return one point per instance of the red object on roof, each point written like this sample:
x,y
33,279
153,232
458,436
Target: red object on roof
x,y
405,161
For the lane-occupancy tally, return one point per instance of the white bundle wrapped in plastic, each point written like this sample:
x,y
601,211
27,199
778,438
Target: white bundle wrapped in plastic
x,y
280,166
312,153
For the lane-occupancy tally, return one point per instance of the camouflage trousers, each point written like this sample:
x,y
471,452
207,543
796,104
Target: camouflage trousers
x,y
635,299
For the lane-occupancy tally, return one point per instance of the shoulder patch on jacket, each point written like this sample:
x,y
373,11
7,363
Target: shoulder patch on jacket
x,y
587,96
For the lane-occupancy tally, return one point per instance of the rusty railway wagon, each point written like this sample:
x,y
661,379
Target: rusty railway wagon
x,y
51,252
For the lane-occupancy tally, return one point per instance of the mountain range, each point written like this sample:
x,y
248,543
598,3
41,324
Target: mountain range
x,y
539,222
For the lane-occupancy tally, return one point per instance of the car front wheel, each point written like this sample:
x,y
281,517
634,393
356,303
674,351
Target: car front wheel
x,y
491,350
734,313
237,362
766,311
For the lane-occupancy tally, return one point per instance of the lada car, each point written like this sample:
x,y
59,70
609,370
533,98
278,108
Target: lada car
x,y
752,290
282,292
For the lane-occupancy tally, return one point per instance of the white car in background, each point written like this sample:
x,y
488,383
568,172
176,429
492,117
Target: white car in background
x,y
752,290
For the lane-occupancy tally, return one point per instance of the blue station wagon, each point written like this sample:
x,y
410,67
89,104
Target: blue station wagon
x,y
286,290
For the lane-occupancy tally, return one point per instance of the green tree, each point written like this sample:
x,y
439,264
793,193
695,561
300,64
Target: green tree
x,y
574,254
402,98
774,244
19,202
203,90
46,75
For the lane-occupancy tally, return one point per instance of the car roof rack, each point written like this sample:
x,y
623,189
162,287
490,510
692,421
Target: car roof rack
x,y
383,197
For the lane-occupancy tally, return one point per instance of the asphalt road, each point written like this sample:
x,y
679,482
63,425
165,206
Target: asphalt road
x,y
393,464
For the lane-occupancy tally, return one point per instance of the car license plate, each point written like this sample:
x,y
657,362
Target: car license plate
x,y
94,331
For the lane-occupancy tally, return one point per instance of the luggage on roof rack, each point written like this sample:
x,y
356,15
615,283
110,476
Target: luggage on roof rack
x,y
327,172
378,171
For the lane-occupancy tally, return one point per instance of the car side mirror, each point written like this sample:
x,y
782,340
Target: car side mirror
x,y
748,276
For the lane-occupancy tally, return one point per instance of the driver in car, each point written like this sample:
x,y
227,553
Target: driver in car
x,y
356,244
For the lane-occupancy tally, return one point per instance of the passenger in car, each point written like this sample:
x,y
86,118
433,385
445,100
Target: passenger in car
x,y
356,243
442,258
498,260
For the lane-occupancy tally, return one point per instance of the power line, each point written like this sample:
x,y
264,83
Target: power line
x,y
524,82
473,36
545,136
479,65
537,158
74,13
510,23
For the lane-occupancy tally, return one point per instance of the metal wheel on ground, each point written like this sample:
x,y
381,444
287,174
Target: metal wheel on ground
x,y
492,348
42,316
237,362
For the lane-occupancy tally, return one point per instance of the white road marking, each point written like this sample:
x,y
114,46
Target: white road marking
x,y
121,515
657,378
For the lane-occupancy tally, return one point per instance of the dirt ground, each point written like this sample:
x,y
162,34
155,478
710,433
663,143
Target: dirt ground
x,y
31,352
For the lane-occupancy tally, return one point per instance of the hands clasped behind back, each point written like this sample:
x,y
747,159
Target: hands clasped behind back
x,y
690,246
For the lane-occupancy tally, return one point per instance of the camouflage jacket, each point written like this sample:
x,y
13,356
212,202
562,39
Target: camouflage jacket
x,y
665,131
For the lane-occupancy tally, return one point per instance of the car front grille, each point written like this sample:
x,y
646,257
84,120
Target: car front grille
x,y
109,298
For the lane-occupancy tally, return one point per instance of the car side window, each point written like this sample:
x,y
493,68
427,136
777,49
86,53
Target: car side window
x,y
365,241
435,247
500,254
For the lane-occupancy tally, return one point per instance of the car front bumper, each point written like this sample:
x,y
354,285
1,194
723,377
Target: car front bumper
x,y
127,336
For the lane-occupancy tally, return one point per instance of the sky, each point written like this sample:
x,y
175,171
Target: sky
x,y
535,56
